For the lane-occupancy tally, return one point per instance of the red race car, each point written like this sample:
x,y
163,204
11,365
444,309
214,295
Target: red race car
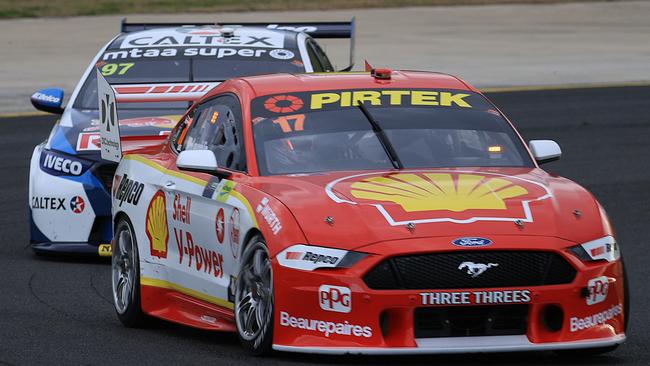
x,y
388,212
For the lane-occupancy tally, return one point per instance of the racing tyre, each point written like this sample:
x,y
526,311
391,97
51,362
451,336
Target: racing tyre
x,y
125,274
254,298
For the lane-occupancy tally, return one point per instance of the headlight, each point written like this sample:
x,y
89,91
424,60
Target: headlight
x,y
600,249
309,257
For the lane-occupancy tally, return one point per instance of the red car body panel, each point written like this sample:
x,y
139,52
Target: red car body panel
x,y
384,319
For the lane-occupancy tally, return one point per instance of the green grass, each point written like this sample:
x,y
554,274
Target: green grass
x,y
55,8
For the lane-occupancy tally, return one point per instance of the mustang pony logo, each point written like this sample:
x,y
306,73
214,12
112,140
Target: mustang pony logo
x,y
426,196
475,269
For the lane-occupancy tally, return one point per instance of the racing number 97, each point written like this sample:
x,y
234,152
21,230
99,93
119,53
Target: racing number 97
x,y
121,69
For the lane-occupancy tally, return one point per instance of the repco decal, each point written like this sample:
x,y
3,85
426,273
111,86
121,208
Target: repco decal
x,y
156,225
129,190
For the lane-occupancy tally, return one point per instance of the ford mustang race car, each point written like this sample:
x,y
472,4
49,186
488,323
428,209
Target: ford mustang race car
x,y
172,64
388,212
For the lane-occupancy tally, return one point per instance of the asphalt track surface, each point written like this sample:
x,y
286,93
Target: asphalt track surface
x,y
59,311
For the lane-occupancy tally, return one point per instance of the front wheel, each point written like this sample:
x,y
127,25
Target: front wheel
x,y
125,275
254,298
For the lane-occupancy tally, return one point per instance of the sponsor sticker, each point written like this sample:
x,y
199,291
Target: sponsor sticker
x,y
476,297
48,203
234,232
129,191
266,40
220,225
595,319
62,165
111,148
156,225
89,141
105,250
326,328
598,288
197,257
182,206
307,257
77,204
443,196
269,216
283,103
335,298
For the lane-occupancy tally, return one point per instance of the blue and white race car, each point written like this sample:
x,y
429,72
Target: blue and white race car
x,y
167,66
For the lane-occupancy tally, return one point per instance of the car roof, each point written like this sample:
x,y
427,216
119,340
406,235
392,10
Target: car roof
x,y
269,84
177,37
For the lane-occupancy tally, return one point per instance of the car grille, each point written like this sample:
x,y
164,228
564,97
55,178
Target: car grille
x,y
468,321
441,270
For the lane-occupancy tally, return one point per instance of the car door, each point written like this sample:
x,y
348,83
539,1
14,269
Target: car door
x,y
203,224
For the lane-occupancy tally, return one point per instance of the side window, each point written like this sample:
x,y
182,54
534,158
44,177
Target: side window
x,y
180,131
217,126
324,61
313,57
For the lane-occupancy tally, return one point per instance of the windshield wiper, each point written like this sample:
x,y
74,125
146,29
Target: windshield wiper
x,y
383,139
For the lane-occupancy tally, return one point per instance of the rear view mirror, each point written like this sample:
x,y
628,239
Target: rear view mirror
x,y
197,160
202,161
48,100
545,151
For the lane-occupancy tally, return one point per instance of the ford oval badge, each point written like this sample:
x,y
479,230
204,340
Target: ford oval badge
x,y
472,242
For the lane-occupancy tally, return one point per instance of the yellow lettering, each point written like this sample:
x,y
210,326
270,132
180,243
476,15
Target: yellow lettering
x,y
419,97
317,100
446,99
373,97
395,95
346,99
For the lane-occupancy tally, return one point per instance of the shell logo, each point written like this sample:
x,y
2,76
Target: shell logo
x,y
439,191
441,196
156,225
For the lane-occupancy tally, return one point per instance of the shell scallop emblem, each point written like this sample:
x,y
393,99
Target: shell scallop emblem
x,y
441,196
156,225
438,191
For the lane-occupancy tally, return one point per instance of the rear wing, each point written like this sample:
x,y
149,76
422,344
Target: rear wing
x,y
330,30
164,92
112,144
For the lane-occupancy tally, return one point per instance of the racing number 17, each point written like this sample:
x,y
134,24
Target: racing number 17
x,y
284,122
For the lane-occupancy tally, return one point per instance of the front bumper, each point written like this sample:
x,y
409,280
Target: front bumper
x,y
384,321
463,345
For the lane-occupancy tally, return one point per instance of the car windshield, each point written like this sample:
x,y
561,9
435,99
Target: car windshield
x,y
327,131
210,64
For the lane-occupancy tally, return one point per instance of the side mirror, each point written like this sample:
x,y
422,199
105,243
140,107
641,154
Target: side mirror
x,y
48,100
202,161
545,151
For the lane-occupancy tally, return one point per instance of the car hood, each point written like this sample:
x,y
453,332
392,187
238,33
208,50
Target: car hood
x,y
371,207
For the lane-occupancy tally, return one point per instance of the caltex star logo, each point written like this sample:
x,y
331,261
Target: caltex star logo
x,y
77,204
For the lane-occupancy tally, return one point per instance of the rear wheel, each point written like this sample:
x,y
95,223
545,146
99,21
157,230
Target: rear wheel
x,y
254,298
125,275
